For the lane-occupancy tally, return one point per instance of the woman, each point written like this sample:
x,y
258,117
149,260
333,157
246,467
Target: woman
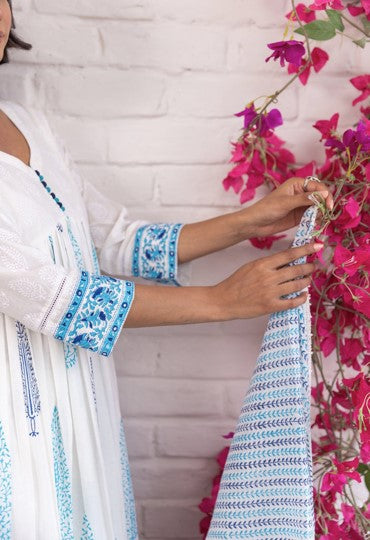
x,y
63,460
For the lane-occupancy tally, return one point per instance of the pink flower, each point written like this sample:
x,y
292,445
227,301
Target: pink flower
x,y
350,349
265,242
348,512
362,83
324,4
365,452
335,481
304,13
350,216
319,58
327,128
291,51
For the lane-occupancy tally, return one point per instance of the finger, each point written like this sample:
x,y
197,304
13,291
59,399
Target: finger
x,y
290,303
312,186
294,286
296,270
291,254
308,198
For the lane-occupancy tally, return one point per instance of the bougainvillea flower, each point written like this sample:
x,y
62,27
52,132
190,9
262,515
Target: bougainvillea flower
x,y
334,481
319,58
325,4
365,453
350,350
327,128
249,114
304,13
265,242
353,140
362,83
355,10
344,259
292,51
366,5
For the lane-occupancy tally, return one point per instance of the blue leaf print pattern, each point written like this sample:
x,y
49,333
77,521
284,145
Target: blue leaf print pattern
x,y
87,533
76,248
155,252
30,388
95,259
62,480
128,493
5,488
70,354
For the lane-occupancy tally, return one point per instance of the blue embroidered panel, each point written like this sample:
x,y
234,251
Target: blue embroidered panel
x,y
128,493
87,533
62,480
96,313
5,488
95,259
266,490
31,392
155,252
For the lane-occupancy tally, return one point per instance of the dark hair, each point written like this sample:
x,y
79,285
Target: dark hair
x,y
13,40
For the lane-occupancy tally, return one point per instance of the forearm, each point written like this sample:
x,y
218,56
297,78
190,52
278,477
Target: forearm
x,y
204,237
162,305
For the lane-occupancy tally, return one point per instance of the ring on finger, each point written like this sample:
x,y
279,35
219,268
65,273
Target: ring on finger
x,y
309,179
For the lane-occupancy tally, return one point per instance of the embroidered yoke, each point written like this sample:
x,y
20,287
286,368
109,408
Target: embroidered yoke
x,y
266,490
64,470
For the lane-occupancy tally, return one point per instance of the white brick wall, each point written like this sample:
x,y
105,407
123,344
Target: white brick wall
x,y
143,94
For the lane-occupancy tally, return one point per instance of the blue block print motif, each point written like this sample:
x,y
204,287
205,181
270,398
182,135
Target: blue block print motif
x,y
62,480
87,533
31,392
266,489
130,514
70,354
155,252
95,259
5,488
76,248
97,312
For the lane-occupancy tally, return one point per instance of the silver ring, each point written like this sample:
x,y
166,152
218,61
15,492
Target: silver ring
x,y
308,179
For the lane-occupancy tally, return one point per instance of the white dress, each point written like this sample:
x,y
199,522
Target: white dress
x,y
63,462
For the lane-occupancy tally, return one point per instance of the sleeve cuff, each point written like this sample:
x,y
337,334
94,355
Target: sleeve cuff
x,y
96,313
155,254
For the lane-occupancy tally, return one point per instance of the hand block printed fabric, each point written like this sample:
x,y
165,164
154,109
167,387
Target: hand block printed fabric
x,y
266,489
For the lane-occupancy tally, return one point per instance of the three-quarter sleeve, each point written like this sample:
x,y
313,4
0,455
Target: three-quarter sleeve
x,y
77,307
126,247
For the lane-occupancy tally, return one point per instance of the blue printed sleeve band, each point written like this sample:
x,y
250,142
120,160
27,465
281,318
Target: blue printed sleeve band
x,y
96,313
155,252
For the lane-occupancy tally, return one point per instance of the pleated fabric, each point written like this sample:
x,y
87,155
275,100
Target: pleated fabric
x,y
266,490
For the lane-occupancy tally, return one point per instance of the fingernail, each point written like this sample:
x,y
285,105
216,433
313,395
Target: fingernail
x,y
317,246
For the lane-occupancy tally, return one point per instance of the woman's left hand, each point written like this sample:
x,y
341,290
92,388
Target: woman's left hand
x,y
283,208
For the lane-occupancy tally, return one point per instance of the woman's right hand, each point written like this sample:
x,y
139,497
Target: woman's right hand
x,y
256,287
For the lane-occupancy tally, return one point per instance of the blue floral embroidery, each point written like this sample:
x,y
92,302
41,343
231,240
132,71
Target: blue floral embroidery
x,y
97,312
128,493
30,388
76,248
70,354
5,488
95,259
62,480
155,252
87,533
52,251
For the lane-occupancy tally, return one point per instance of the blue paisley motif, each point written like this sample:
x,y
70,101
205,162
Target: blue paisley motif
x,y
31,392
155,252
128,493
5,488
62,480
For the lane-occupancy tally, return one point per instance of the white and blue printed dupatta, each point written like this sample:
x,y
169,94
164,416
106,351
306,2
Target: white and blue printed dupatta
x,y
266,490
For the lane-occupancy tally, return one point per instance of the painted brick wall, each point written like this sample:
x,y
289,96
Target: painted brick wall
x,y
143,93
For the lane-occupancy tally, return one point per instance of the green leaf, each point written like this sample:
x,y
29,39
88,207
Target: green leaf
x,y
365,23
360,42
318,30
362,468
335,18
367,480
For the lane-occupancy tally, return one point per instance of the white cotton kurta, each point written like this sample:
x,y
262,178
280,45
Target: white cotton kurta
x,y
63,460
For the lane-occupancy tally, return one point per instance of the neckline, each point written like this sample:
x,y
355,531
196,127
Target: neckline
x,y
8,109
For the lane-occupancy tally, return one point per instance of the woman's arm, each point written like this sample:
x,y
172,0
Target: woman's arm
x,y
282,209
254,289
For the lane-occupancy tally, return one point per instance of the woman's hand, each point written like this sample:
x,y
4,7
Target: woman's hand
x,y
256,288
281,209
